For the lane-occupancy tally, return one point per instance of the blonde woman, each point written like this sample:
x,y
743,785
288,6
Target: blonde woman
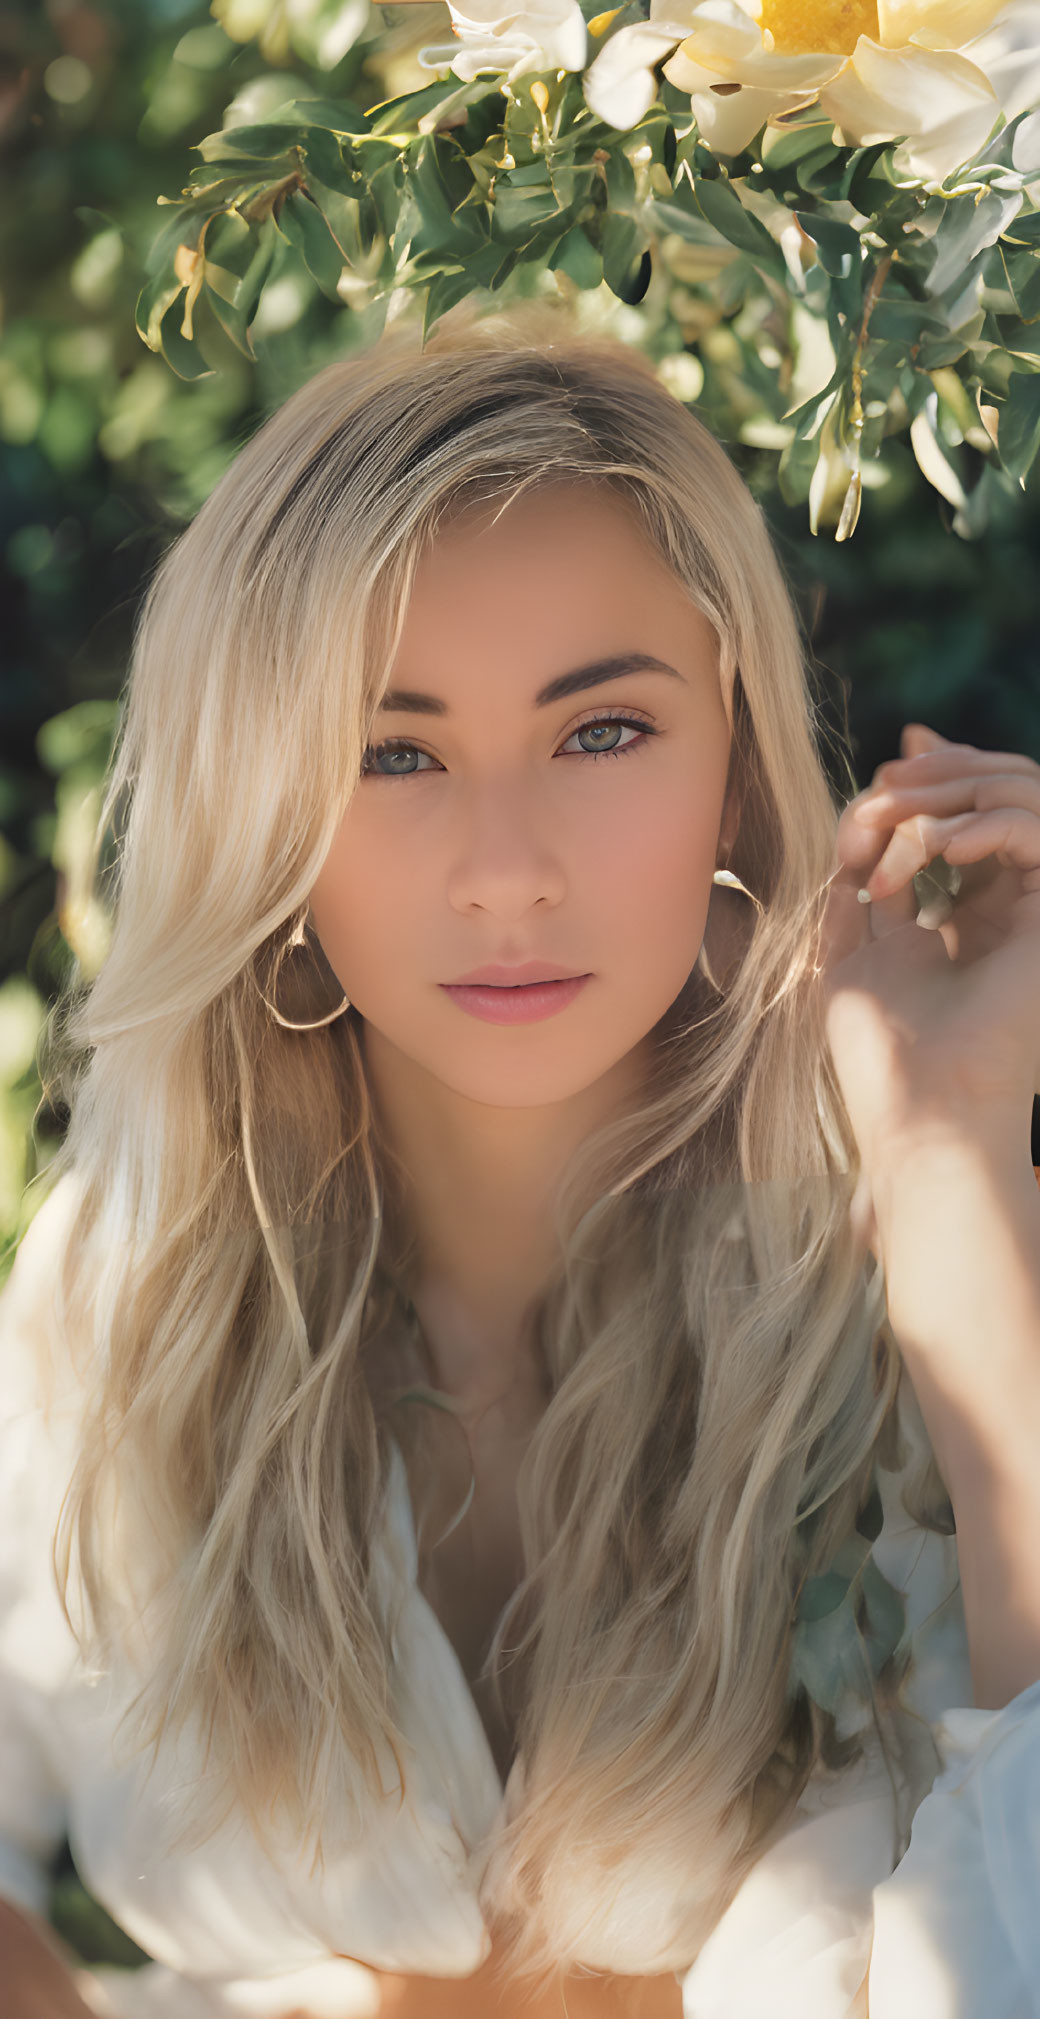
x,y
538,1269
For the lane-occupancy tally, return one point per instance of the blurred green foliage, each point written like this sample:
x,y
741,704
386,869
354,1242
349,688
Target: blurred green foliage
x,y
106,453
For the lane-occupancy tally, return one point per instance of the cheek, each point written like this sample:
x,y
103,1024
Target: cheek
x,y
348,892
369,895
656,866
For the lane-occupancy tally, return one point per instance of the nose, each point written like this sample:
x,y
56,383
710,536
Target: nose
x,y
503,858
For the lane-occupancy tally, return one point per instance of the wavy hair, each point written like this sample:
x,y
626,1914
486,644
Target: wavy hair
x,y
720,1376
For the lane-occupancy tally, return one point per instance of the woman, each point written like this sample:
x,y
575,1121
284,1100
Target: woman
x,y
499,1533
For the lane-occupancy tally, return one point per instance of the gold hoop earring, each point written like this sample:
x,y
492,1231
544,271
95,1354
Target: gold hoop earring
x,y
296,938
732,882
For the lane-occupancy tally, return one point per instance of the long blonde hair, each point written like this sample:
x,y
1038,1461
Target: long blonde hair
x,y
719,1368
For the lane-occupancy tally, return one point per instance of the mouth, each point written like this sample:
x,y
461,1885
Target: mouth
x,y
522,975
515,1002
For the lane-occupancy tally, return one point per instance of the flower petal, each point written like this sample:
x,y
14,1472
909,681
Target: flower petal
x,y
723,31
620,85
933,24
727,124
783,73
1008,53
1025,148
551,36
940,105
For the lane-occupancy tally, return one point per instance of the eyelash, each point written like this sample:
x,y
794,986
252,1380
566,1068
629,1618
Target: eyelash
x,y
593,721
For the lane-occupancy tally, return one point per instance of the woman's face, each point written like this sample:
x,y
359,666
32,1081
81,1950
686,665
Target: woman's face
x,y
485,829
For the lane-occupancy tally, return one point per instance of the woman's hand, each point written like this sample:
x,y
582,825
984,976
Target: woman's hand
x,y
929,1028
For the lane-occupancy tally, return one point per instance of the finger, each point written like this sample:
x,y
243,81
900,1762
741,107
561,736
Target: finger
x,y
861,849
918,742
844,924
848,922
1007,832
914,843
951,795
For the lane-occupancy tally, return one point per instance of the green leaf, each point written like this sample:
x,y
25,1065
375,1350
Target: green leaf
x,y
343,218
326,160
181,228
621,246
442,294
621,181
906,320
385,190
1022,339
1024,229
152,304
270,143
229,241
301,222
885,1614
797,463
821,173
839,247
829,1659
579,258
633,286
723,209
871,1515
821,1595
442,227
182,354
1018,428
937,351
395,115
1023,269
665,216
934,457
783,145
234,317
338,115
809,417
518,211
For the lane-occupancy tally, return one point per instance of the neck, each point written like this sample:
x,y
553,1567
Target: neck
x,y
480,1184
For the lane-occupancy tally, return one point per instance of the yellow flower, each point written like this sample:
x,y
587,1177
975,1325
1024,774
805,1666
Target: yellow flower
x,y
935,77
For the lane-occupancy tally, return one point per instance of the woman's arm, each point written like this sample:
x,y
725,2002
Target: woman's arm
x,y
935,1037
958,1222
37,1981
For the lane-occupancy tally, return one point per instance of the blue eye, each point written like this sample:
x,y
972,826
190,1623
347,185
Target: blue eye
x,y
397,747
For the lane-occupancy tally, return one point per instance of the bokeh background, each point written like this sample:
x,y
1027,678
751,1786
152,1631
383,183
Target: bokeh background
x,y
106,454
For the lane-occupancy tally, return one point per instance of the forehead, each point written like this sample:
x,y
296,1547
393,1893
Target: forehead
x,y
511,513
541,547
532,585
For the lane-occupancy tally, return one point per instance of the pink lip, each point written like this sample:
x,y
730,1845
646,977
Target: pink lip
x,y
521,1003
501,976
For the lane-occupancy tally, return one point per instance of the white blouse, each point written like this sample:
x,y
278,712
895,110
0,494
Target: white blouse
x,y
826,1926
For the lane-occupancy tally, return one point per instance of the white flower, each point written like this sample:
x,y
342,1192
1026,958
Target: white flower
x,y
937,77
513,40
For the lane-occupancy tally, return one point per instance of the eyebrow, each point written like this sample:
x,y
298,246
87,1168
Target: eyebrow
x,y
404,701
